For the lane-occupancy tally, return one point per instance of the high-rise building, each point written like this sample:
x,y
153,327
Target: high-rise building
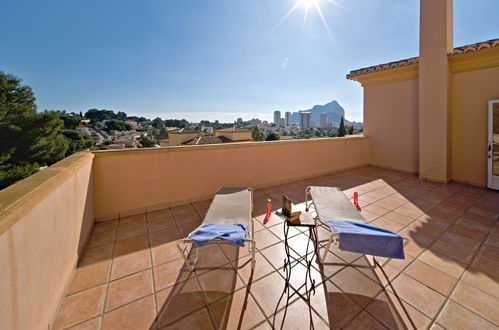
x,y
287,118
305,120
324,122
277,116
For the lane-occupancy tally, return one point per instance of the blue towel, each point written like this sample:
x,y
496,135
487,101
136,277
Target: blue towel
x,y
362,237
232,232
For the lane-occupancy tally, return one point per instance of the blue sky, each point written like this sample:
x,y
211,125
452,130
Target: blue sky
x,y
212,59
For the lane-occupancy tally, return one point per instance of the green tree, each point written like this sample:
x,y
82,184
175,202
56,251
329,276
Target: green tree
x,y
342,130
257,134
116,125
71,121
146,142
272,137
157,123
28,139
120,116
350,130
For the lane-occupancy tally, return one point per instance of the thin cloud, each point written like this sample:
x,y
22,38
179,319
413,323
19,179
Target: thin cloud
x,y
284,64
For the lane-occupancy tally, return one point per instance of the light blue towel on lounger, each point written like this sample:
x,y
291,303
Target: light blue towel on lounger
x,y
362,237
232,232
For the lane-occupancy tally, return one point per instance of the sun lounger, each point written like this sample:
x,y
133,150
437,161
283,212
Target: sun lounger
x,y
335,212
230,210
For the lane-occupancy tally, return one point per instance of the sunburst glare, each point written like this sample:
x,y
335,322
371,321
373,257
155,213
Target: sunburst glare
x,y
307,5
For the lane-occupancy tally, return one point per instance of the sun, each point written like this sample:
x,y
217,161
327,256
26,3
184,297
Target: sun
x,y
311,4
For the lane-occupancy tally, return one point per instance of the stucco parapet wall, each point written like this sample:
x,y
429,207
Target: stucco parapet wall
x,y
18,199
484,54
121,152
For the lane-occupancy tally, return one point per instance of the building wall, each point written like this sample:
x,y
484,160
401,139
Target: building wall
x,y
132,180
391,123
45,221
235,136
470,92
177,139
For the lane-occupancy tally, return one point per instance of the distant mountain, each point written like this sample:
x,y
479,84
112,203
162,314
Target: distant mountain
x,y
333,109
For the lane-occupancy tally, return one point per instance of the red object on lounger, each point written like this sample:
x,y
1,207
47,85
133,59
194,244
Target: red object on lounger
x,y
269,212
356,201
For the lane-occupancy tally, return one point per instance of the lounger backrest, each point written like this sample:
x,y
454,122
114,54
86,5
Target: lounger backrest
x,y
331,204
230,205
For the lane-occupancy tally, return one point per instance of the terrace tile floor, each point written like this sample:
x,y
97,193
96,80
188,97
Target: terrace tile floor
x,y
131,276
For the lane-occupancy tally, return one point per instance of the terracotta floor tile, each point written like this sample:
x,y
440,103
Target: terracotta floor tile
x,y
210,257
132,220
265,238
159,214
238,311
163,236
184,218
298,274
130,263
197,320
474,225
267,292
410,211
455,316
391,203
130,245
164,253
94,255
478,301
160,224
93,324
100,227
364,321
130,231
217,284
385,223
138,315
467,232
202,205
432,277
184,299
356,285
101,239
186,229
482,281
81,307
399,218
425,228
489,251
262,268
233,253
442,262
456,252
487,265
461,240
128,289
394,314
339,308
297,317
418,295
89,276
275,254
299,243
169,273
182,209
376,210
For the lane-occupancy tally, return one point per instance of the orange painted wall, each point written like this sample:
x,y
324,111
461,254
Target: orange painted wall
x,y
128,180
391,123
470,92
44,222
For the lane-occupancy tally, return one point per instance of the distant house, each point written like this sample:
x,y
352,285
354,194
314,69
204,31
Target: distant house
x,y
235,134
178,136
185,136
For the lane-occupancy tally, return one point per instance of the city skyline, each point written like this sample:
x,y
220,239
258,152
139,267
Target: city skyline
x,y
211,60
